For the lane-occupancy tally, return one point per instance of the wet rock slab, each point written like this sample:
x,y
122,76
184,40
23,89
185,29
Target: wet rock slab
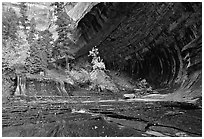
x,y
86,116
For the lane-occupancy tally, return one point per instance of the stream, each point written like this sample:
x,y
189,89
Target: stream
x,y
94,114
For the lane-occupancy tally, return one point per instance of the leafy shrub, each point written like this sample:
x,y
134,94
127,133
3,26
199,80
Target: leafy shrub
x,y
99,79
96,60
144,85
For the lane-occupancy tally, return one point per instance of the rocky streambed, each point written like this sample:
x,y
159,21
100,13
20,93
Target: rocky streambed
x,y
132,111
98,115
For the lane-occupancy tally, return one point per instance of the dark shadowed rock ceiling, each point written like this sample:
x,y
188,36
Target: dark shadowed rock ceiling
x,y
157,41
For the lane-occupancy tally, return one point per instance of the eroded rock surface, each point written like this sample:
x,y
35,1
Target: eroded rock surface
x,y
89,117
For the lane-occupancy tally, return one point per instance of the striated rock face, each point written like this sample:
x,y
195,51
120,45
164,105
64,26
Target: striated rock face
x,y
52,83
97,24
160,42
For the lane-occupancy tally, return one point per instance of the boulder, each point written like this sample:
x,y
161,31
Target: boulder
x,y
100,80
80,76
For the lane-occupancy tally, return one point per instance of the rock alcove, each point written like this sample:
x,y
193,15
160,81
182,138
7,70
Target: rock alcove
x,y
159,42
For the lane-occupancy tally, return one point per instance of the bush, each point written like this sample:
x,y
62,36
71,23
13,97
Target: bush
x,y
144,85
99,79
96,60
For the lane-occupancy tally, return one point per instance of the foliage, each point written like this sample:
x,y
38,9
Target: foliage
x,y
41,44
9,24
7,86
24,18
99,79
33,34
64,29
15,50
40,52
15,47
96,60
24,49
144,85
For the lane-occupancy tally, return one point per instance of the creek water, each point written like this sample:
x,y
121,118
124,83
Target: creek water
x,y
45,112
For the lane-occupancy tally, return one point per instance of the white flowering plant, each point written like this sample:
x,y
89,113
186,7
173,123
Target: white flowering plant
x,y
99,79
96,60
